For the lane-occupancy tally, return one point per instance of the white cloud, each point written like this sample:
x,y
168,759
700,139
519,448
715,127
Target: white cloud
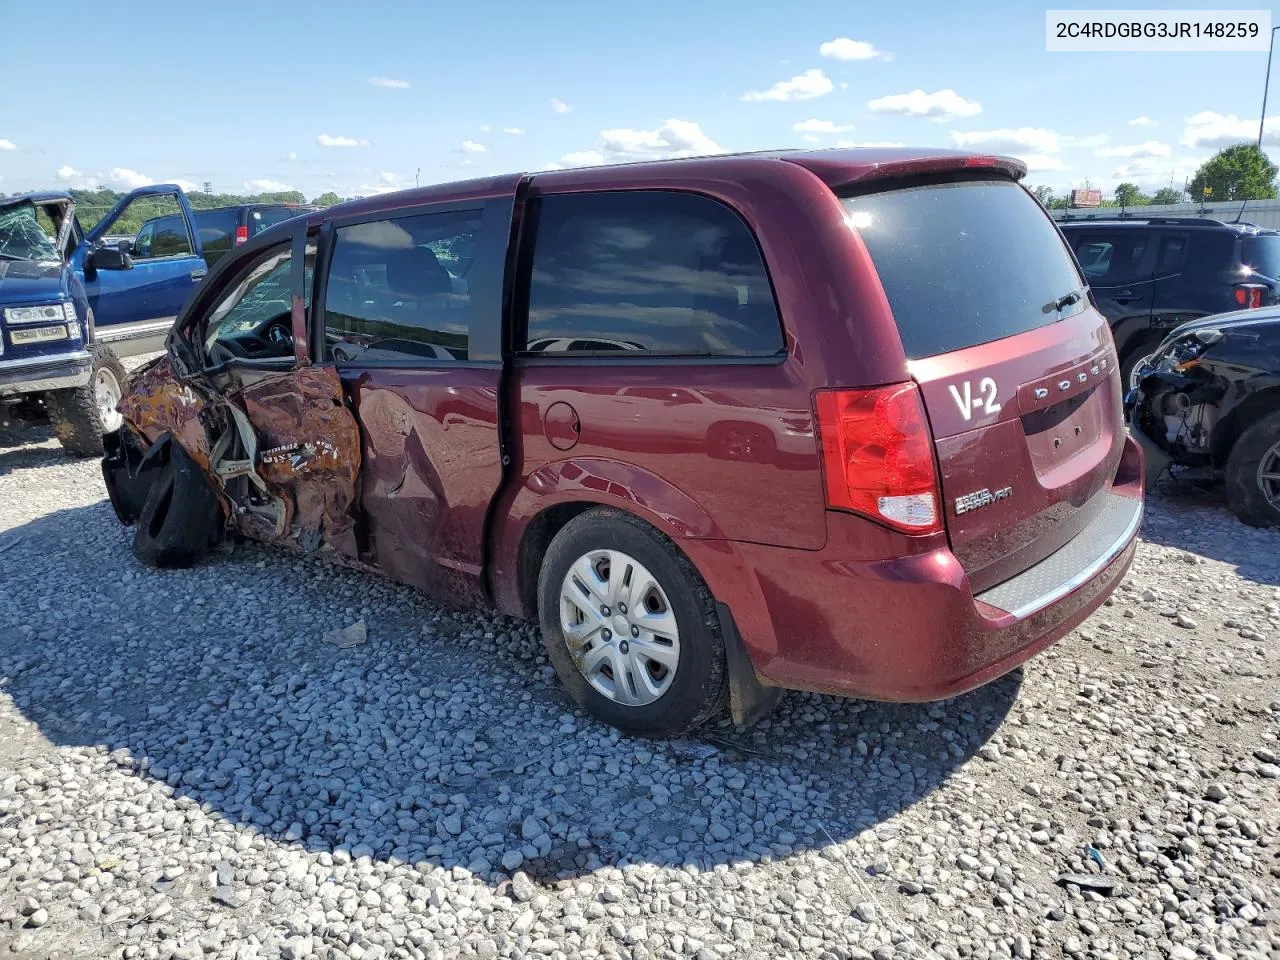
x,y
810,138
389,83
8,145
68,172
842,48
821,126
291,156
470,146
514,131
805,86
1151,148
868,145
1038,162
266,186
675,138
940,106
1031,139
186,185
1034,146
485,128
383,183
1209,129
559,106
1143,121
548,167
325,140
123,177
581,158
1143,168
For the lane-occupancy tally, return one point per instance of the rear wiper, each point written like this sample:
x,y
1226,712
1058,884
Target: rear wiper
x,y
1064,301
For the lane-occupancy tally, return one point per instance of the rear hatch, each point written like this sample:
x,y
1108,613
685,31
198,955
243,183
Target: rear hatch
x,y
1016,368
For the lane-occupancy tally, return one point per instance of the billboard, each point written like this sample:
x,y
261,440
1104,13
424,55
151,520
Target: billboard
x,y
1086,198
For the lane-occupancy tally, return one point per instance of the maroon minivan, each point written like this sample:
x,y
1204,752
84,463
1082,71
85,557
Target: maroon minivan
x,y
844,421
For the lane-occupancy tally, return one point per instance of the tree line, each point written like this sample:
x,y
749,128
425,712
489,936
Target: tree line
x,y
1240,172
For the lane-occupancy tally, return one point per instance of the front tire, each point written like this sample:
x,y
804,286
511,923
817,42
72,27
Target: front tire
x,y
179,520
630,626
1253,474
81,416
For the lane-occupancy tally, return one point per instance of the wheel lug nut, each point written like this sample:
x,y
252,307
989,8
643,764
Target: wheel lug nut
x,y
607,634
604,611
635,631
622,608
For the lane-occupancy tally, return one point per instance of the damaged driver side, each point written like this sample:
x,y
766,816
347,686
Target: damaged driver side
x,y
234,430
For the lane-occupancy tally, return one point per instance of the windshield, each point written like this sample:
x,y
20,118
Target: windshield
x,y
966,263
22,237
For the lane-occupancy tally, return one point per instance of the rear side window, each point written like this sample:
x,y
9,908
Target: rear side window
x,y
1263,254
398,290
217,232
259,220
965,263
648,272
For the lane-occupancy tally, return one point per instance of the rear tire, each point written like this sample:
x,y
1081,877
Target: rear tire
x,y
179,520
1253,474
655,700
81,416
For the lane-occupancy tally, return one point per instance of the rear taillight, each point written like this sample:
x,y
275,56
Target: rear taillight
x,y
877,456
242,234
1249,297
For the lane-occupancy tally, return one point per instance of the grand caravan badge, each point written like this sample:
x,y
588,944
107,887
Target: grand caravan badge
x,y
981,498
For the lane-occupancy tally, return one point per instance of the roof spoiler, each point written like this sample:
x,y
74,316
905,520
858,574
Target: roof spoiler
x,y
954,163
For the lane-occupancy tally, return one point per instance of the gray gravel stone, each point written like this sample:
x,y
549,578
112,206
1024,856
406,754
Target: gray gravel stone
x,y
187,770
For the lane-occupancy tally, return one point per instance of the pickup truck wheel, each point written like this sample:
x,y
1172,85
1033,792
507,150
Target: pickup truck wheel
x,y
179,520
81,416
630,626
1253,474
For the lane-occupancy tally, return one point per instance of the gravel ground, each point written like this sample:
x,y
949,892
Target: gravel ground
x,y
188,769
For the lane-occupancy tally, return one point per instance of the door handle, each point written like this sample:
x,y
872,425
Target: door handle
x,y
198,274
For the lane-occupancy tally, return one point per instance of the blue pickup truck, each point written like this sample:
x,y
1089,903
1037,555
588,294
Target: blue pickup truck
x,y
72,305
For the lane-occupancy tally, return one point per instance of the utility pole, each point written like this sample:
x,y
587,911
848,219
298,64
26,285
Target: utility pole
x,y
1266,83
208,186
416,173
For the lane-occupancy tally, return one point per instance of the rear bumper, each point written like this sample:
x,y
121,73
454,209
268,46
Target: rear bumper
x,y
38,374
910,628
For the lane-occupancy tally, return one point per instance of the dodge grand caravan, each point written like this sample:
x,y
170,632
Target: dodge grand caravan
x,y
844,421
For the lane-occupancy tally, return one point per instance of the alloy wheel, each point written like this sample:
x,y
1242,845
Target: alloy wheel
x,y
1269,475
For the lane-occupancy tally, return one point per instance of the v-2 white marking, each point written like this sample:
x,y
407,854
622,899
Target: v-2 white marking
x,y
968,403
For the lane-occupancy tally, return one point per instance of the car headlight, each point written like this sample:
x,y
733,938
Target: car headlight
x,y
1186,351
47,313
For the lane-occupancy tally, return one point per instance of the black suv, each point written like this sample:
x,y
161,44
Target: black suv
x,y
221,228
1209,401
1150,275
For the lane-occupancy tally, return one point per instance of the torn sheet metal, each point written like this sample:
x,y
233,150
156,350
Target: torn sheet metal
x,y
309,454
284,451
157,402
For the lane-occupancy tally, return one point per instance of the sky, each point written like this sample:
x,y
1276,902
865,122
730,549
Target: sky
x,y
359,98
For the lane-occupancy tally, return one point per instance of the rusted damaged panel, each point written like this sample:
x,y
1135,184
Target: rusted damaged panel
x,y
308,455
284,452
157,403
